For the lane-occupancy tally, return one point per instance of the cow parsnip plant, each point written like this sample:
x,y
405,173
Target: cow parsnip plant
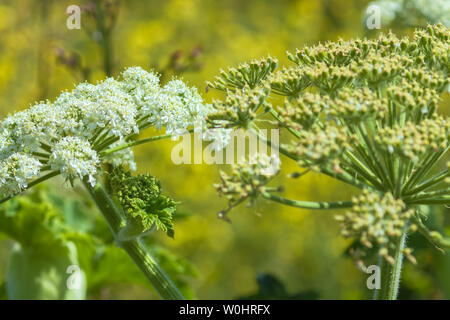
x,y
85,129
364,112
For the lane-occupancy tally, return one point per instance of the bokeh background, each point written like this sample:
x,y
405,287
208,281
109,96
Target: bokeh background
x,y
268,251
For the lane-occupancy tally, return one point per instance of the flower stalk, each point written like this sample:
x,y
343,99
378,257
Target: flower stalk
x,y
393,272
308,204
135,248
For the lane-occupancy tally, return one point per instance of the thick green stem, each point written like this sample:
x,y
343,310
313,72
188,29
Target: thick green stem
x,y
161,282
135,247
105,40
391,281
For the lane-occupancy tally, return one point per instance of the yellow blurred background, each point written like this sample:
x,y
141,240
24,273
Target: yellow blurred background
x,y
194,39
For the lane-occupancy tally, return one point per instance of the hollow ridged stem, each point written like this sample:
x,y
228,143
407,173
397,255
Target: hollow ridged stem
x,y
392,273
308,204
135,248
385,269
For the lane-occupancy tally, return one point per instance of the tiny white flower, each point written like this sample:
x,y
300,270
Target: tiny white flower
x,y
74,158
15,171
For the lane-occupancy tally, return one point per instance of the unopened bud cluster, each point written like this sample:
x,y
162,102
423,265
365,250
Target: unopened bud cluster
x,y
364,111
412,140
248,74
240,107
377,221
303,112
247,179
320,146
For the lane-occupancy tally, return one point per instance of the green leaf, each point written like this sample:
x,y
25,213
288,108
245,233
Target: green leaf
x,y
112,265
37,266
32,275
142,200
31,221
46,224
76,214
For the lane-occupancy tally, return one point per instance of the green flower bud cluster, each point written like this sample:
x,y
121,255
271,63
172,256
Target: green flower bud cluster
x,y
319,146
240,107
247,180
434,44
338,53
289,82
303,112
377,221
330,78
431,79
355,105
413,97
412,141
390,44
142,200
248,74
377,68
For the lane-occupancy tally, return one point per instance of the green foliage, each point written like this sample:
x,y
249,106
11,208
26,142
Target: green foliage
x,y
30,222
53,232
34,275
37,267
142,200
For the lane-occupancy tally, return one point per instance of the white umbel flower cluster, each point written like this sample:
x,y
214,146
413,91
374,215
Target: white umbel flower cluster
x,y
124,157
74,157
105,105
69,135
15,171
